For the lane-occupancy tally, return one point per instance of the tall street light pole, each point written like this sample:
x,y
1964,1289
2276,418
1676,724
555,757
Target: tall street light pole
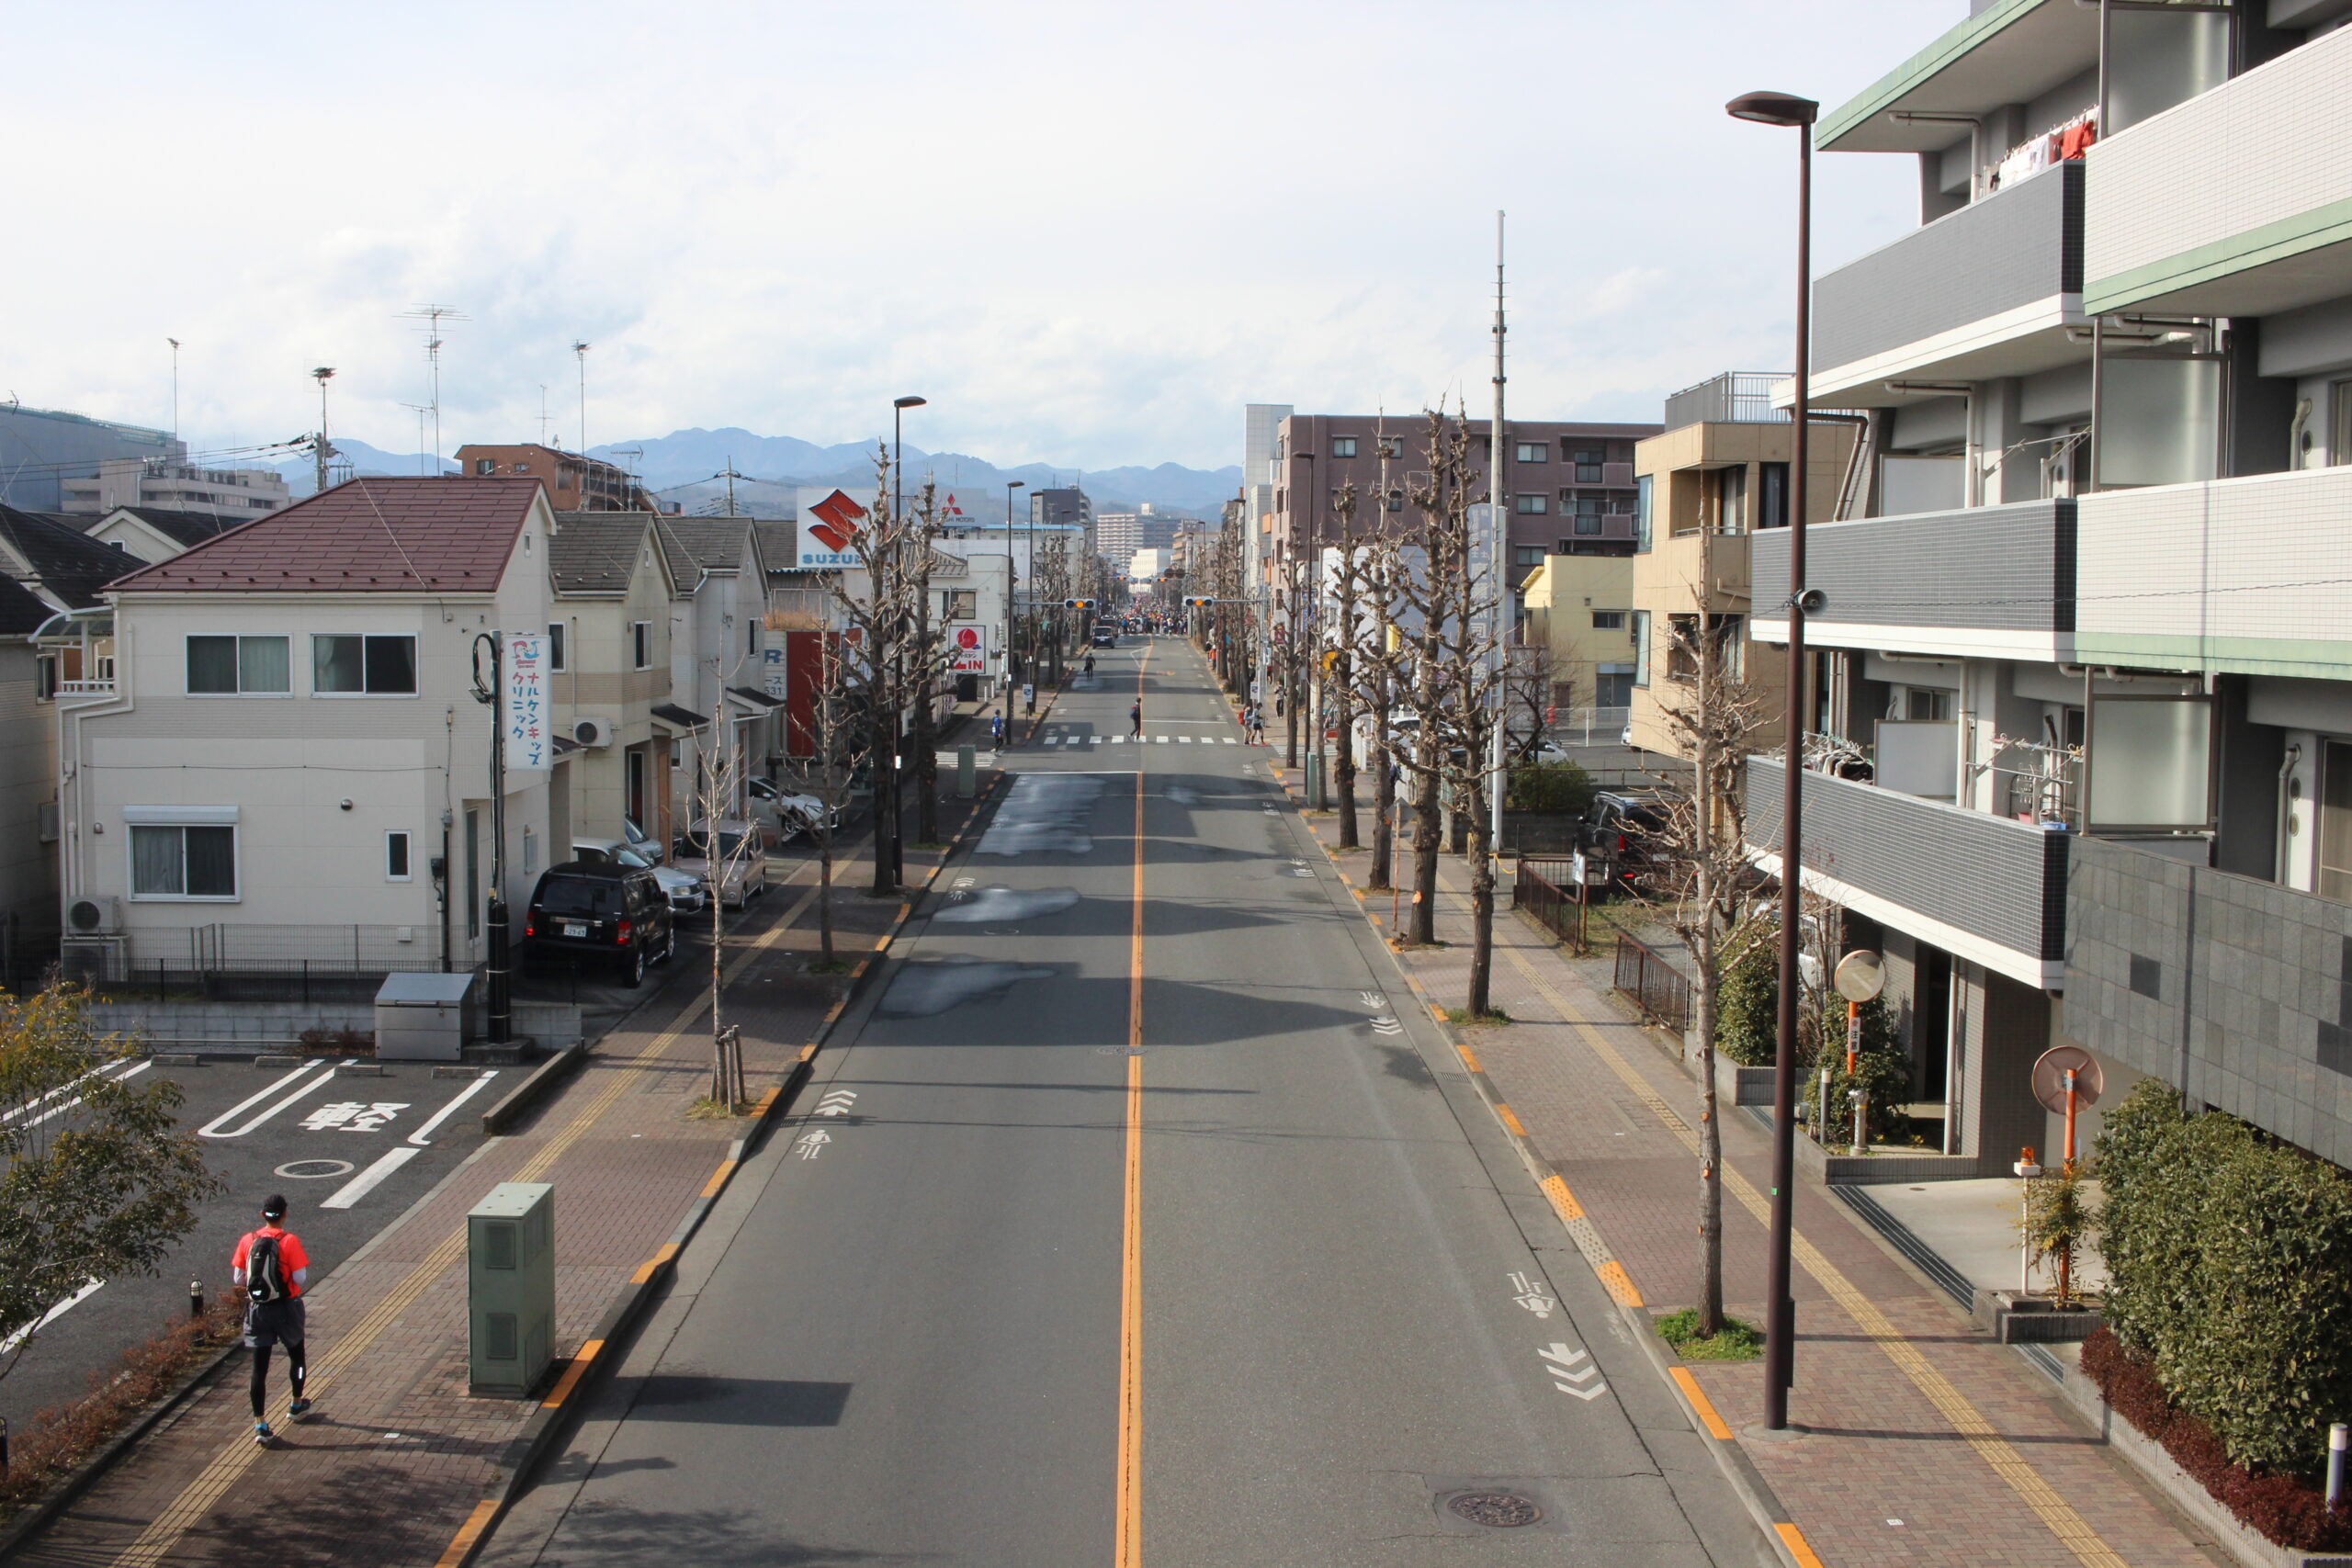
x,y
1011,597
1790,112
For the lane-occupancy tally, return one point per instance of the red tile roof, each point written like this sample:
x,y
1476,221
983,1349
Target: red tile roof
x,y
372,535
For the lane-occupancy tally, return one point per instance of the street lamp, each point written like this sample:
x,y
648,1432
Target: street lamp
x,y
1789,112
1012,590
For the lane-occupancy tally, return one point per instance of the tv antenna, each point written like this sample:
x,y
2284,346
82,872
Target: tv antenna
x,y
433,315
580,352
424,463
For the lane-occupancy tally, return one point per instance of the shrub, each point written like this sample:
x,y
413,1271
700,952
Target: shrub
x,y
1745,1026
1881,1074
1737,1342
1558,788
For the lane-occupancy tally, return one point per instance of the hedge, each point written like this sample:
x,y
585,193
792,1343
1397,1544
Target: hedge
x,y
1559,788
2229,1262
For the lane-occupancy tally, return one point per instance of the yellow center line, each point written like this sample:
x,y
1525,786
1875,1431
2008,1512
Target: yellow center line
x,y
1980,1435
1128,1509
206,1490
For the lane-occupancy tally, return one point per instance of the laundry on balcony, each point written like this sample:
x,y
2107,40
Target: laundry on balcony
x,y
2037,152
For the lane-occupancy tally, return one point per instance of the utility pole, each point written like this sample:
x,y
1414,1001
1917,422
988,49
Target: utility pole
x,y
319,450
176,385
497,967
1501,555
433,315
580,352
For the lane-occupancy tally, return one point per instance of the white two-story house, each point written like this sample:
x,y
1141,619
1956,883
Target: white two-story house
x,y
288,764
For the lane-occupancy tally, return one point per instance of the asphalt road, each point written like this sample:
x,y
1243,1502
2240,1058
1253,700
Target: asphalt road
x,y
1134,1219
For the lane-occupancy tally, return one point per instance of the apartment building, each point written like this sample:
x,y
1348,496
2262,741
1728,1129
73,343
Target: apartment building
x,y
1716,480
1067,506
41,448
1575,652
574,483
1119,535
237,495
2081,759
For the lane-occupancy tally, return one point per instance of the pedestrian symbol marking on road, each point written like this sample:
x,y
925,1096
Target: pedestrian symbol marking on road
x,y
1531,1295
837,1104
1582,1377
812,1146
354,1116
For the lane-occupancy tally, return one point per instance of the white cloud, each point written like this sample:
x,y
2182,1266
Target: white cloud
x,y
1087,233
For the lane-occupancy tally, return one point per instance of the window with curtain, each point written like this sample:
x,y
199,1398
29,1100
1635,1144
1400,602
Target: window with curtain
x,y
235,666
175,862
345,665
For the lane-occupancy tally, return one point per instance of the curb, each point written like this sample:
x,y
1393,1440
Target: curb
x,y
83,1476
1756,1495
563,1401
524,1095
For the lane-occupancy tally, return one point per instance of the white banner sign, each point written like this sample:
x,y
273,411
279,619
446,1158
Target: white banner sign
x,y
772,672
967,647
525,713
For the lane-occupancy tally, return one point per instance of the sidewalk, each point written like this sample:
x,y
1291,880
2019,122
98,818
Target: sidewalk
x,y
1924,1442
398,1464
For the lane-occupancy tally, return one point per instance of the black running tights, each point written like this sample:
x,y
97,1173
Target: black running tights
x,y
295,1366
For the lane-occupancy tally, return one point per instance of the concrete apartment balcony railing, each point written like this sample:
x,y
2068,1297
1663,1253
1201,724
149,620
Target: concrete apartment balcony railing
x,y
1985,292
1983,887
2232,203
2006,52
2241,576
1983,583
2229,987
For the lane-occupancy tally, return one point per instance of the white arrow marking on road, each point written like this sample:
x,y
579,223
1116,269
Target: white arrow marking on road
x,y
367,1181
836,1103
51,1315
1386,1026
1560,1362
1531,1296
814,1144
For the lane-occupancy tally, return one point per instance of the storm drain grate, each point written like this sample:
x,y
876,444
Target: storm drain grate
x,y
1498,1510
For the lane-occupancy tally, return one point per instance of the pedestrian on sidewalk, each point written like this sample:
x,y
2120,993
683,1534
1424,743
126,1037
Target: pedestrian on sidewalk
x,y
1257,726
1134,719
996,729
271,1267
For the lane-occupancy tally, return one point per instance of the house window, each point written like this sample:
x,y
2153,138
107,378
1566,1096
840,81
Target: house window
x,y
554,645
1772,495
1588,514
1682,655
962,603
1588,467
177,861
1731,499
1609,620
637,787
485,466
1343,446
1396,500
640,645
396,861
1532,452
2335,858
750,639
1391,445
45,678
1530,505
1641,647
1642,513
1529,555
342,665
238,666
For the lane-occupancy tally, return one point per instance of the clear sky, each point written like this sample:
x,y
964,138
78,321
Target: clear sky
x,y
1088,232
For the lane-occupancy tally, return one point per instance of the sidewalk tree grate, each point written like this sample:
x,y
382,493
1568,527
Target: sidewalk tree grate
x,y
1497,1510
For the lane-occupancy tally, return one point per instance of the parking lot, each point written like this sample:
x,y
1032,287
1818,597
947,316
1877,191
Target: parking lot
x,y
351,1143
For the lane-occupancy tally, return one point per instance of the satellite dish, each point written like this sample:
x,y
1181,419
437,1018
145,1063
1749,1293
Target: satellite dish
x,y
1862,975
2049,1078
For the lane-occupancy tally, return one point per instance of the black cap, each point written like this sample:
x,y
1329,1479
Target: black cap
x,y
273,1207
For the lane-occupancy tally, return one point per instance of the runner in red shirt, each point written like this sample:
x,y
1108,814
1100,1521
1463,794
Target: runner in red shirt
x,y
271,1267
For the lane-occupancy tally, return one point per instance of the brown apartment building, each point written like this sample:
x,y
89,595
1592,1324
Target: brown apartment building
x,y
574,483
1570,486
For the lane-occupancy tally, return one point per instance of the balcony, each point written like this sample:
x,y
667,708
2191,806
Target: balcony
x,y
2236,576
2226,985
2007,52
1986,581
1736,397
1983,887
2232,203
1985,292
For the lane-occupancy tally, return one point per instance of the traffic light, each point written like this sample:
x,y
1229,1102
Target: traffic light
x,y
1078,604
1197,604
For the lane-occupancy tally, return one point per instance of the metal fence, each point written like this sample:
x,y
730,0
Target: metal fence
x,y
251,963
1548,890
1655,987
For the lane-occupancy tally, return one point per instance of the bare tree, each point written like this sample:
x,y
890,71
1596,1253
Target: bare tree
x,y
1702,875
926,657
1339,667
1376,671
840,738
875,624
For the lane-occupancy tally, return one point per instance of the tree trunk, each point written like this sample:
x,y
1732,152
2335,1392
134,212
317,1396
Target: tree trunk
x,y
1426,813
1290,711
1343,720
825,892
885,796
1482,907
1384,795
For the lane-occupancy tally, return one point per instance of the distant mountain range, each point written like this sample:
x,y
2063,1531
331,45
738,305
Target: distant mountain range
x,y
685,467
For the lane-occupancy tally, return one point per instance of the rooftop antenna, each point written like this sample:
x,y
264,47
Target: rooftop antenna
x,y
176,385
543,413
319,450
580,352
433,315
419,409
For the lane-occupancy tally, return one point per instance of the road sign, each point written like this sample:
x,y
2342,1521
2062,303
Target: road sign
x,y
1862,975
2049,1078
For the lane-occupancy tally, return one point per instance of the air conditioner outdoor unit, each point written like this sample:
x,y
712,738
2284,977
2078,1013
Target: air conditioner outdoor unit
x,y
94,916
92,960
593,731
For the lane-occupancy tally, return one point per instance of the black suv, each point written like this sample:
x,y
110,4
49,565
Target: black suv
x,y
601,910
1619,831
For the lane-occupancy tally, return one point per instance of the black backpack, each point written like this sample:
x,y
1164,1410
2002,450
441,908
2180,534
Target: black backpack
x,y
265,1278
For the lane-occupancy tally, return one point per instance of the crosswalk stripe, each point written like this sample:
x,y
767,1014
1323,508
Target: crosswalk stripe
x,y
1229,741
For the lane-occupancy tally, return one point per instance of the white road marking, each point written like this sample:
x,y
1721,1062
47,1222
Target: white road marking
x,y
54,1111
420,1136
1372,999
837,1104
1531,1295
1229,741
1576,1366
814,1144
1094,741
1185,739
66,1087
212,1129
292,1170
51,1315
367,1181
1386,1026
1161,738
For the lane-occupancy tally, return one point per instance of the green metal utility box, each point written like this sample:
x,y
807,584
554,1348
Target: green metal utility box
x,y
510,1288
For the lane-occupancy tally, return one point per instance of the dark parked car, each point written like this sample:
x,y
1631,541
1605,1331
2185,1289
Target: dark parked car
x,y
1618,827
608,911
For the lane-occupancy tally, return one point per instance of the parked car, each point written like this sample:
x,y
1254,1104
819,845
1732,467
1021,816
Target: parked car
x,y
1105,637
640,840
793,812
741,873
1618,828
601,910
683,891
1547,751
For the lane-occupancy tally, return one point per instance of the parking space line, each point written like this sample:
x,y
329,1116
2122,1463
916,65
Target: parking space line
x,y
471,1089
51,1315
56,1110
66,1087
367,1181
211,1129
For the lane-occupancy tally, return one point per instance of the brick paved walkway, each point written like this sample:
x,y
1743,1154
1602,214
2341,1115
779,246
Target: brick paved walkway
x,y
1926,1443
398,1455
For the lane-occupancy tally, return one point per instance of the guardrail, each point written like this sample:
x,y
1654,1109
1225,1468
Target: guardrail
x,y
1547,889
1653,985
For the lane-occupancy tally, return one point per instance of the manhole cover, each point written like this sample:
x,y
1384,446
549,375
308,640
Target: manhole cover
x,y
1498,1510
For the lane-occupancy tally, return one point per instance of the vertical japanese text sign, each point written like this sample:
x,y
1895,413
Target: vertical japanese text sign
x,y
525,717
